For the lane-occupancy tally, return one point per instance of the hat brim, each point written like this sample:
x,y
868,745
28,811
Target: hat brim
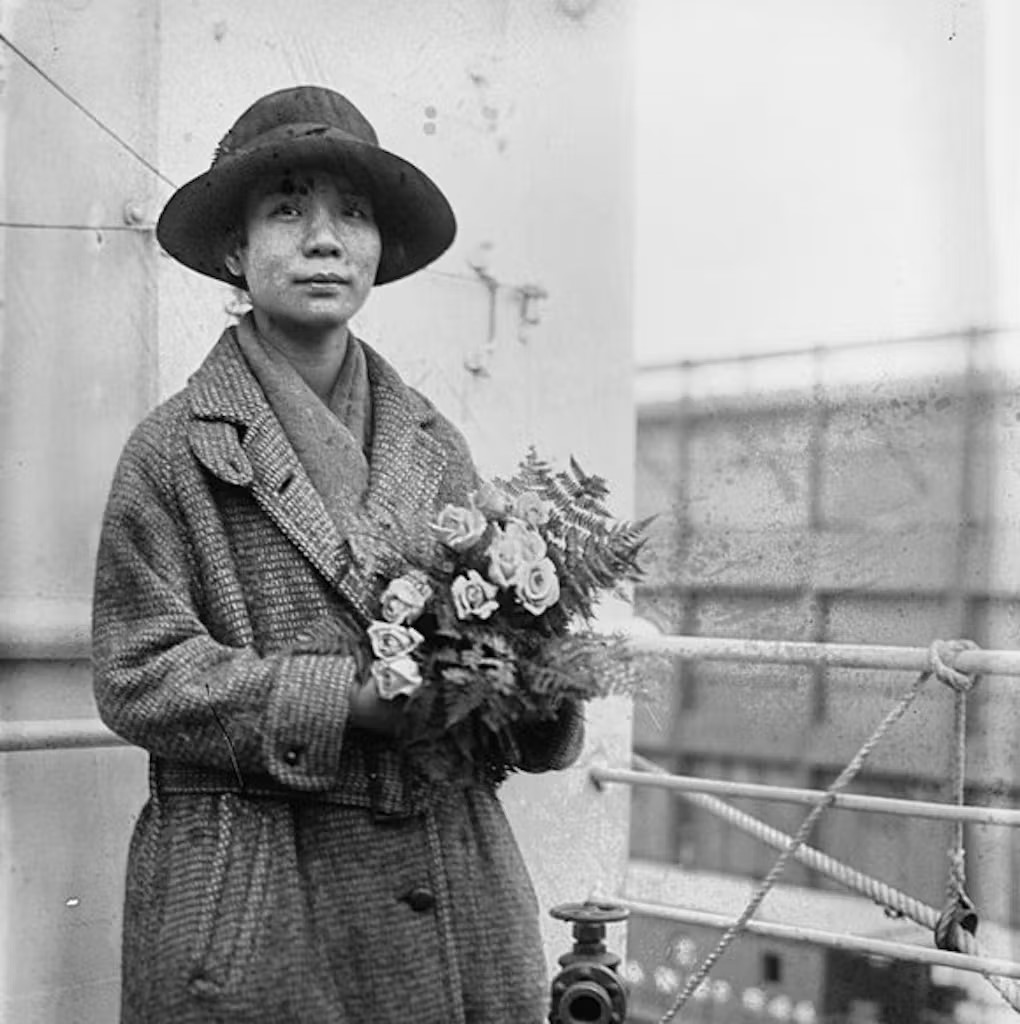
x,y
415,221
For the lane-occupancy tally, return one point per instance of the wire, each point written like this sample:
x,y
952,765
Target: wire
x,y
121,141
31,226
88,113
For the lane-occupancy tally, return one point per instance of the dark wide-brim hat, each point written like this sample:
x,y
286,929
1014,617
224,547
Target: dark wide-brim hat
x,y
301,127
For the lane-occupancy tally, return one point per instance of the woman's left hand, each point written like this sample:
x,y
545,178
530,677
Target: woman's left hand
x,y
369,711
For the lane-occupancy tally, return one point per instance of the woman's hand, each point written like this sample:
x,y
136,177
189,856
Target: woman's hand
x,y
369,711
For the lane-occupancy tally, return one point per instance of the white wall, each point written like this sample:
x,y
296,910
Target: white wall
x,y
521,110
77,329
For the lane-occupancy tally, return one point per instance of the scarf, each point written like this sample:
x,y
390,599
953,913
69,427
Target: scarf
x,y
330,438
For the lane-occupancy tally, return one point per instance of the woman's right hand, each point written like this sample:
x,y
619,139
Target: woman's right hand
x,y
369,711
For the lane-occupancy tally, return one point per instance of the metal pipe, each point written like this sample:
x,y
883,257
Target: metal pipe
x,y
833,940
37,629
790,652
41,629
784,794
57,735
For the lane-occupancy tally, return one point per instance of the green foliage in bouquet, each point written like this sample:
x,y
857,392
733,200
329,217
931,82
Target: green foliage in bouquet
x,y
596,553
495,636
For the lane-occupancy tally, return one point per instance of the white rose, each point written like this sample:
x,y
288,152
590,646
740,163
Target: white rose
x,y
390,641
473,596
531,508
458,527
512,549
404,598
490,500
397,678
538,586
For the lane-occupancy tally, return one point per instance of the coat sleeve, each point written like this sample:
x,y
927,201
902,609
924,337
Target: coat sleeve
x,y
164,683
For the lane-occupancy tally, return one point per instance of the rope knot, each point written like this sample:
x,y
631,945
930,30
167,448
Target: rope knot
x,y
942,656
959,915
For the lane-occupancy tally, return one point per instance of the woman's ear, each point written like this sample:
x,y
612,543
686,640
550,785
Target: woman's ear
x,y
232,259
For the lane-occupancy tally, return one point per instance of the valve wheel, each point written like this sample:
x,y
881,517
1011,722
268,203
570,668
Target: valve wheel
x,y
590,912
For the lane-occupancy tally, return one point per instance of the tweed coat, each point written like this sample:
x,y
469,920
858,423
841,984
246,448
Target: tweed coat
x,y
286,867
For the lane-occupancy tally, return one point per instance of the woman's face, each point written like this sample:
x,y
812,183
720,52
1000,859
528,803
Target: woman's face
x,y
310,250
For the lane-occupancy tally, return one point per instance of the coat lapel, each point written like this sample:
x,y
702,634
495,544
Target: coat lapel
x,y
236,436
408,463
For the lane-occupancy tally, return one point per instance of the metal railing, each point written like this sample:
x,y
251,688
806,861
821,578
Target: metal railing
x,y
966,954
601,774
58,631
831,940
66,734
787,652
44,629
85,733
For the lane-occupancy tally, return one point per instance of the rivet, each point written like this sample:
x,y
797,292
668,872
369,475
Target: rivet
x,y
134,213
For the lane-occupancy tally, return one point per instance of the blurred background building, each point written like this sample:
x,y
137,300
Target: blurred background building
x,y
827,409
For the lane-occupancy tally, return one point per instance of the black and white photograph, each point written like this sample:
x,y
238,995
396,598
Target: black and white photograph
x,y
509,511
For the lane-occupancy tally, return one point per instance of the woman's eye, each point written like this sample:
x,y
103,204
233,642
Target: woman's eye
x,y
358,211
287,210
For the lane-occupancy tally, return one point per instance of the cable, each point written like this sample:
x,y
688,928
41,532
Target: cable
x,y
36,226
88,113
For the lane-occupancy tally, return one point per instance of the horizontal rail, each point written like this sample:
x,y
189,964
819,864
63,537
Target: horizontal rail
x,y
886,896
792,652
44,629
833,940
68,734
783,794
988,331
878,892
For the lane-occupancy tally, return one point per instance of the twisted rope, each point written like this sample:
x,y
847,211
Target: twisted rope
x,y
896,902
943,653
959,916
957,880
937,666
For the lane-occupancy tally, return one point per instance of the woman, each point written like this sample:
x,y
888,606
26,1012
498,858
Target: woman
x,y
288,865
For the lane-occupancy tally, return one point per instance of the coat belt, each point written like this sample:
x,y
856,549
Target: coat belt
x,y
173,778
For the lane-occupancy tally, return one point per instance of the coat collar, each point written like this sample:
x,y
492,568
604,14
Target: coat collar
x,y
235,435
223,388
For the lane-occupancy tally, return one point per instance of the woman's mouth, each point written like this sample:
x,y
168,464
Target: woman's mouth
x,y
322,279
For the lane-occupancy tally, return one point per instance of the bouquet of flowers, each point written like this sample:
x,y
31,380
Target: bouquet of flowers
x,y
496,631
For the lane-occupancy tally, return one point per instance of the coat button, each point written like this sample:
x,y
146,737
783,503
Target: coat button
x,y
292,756
420,900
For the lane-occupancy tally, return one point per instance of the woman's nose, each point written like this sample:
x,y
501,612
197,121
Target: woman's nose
x,y
322,237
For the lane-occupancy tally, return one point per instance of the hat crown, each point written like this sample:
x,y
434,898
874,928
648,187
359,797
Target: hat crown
x,y
302,105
